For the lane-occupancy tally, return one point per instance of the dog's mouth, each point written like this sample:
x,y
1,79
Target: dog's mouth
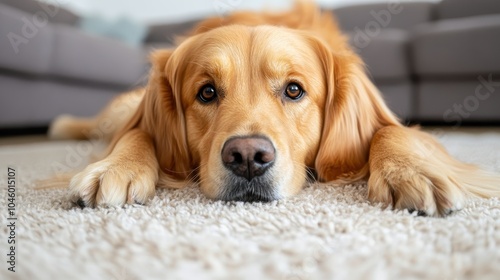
x,y
256,190
252,197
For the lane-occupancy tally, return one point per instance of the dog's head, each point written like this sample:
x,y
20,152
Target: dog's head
x,y
248,110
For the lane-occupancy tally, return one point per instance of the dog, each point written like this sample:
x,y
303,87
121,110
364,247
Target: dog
x,y
248,105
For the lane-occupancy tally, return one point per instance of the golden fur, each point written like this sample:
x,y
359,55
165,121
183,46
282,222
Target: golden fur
x,y
342,129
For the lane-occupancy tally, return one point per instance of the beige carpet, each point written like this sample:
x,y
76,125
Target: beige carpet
x,y
323,233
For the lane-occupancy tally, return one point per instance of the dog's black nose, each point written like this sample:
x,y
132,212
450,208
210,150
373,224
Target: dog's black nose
x,y
248,157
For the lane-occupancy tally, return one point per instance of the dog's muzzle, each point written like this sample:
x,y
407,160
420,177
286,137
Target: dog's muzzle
x,y
248,158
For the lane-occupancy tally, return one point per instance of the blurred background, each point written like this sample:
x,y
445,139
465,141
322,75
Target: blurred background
x,y
436,62
161,11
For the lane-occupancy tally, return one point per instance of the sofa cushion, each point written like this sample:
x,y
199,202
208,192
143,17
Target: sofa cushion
x,y
33,102
26,43
466,46
455,102
399,97
82,56
54,13
447,9
63,51
385,55
391,14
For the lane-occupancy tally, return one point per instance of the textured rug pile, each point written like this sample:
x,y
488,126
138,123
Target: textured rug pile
x,y
323,233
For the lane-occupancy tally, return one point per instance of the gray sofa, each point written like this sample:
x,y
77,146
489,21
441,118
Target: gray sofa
x,y
431,60
436,62
48,66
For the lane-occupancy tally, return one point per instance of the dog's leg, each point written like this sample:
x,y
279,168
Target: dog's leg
x,y
409,169
101,127
128,175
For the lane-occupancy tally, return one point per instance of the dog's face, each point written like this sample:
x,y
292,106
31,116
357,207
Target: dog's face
x,y
250,109
253,102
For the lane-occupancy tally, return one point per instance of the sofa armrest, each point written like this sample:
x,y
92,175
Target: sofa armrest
x,y
55,13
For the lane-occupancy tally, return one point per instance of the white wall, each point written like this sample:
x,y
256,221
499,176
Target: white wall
x,y
176,10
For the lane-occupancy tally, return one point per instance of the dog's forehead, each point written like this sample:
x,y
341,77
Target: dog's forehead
x,y
273,51
242,42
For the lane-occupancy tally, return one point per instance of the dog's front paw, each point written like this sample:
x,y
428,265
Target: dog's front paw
x,y
112,182
416,189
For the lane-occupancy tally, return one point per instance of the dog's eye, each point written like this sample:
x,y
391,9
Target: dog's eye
x,y
207,94
294,91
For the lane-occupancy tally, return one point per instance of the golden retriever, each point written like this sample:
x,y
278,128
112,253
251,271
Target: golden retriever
x,y
248,105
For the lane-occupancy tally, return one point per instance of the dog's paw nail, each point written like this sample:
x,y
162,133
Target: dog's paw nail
x,y
420,213
81,203
139,203
448,212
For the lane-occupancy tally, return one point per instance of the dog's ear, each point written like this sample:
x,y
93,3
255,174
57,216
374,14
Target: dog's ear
x,y
161,115
354,111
